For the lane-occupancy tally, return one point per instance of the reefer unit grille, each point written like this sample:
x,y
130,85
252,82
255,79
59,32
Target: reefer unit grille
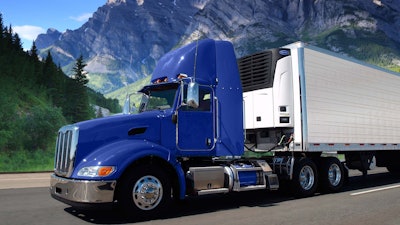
x,y
257,71
65,150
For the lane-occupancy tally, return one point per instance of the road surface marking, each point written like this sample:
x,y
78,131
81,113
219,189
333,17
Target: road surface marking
x,y
375,190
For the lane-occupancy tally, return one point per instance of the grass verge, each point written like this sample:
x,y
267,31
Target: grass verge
x,y
26,161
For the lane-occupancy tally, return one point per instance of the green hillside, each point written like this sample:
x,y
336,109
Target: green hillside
x,y
121,93
36,99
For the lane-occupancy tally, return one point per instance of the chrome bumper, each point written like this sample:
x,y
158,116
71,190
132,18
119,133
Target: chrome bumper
x,y
81,191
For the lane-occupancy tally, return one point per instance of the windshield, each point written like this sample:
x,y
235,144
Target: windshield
x,y
158,98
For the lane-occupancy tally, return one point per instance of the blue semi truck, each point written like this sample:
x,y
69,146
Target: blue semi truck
x,y
204,109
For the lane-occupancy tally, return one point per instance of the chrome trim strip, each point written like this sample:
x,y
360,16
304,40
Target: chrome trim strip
x,y
82,191
66,147
303,94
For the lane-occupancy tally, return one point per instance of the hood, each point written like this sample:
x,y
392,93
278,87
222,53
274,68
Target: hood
x,y
104,131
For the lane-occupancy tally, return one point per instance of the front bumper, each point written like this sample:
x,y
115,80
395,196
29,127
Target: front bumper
x,y
81,191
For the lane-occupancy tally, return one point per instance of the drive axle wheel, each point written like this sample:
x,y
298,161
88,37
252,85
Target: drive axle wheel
x,y
145,191
305,177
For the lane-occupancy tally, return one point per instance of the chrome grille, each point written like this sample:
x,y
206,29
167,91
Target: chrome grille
x,y
65,150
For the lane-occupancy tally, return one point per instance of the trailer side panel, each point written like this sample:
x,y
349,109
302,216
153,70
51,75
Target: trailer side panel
x,y
350,104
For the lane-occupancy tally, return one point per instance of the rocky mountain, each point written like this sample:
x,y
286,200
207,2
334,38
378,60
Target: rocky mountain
x,y
46,40
124,39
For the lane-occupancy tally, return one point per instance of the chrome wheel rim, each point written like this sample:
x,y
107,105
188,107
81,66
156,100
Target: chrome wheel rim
x,y
306,178
334,175
147,192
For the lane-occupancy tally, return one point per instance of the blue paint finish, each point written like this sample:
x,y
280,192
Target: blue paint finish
x,y
216,67
217,131
182,60
195,128
121,154
181,180
248,178
95,134
230,99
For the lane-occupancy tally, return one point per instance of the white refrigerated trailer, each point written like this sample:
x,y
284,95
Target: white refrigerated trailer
x,y
302,101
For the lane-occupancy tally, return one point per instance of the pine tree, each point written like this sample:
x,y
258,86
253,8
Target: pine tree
x,y
38,65
1,24
2,33
33,52
80,108
17,44
48,70
79,74
8,37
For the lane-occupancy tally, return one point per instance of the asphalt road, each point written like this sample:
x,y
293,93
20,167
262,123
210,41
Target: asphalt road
x,y
371,200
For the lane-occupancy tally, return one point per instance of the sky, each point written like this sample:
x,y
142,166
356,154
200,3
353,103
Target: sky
x,y
30,18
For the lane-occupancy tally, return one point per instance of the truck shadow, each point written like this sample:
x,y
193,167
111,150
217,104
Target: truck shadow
x,y
190,206
215,203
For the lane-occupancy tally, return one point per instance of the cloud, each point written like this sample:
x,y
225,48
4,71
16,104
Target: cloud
x,y
81,18
28,32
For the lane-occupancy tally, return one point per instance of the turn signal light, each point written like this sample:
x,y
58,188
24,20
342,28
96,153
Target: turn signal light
x,y
105,171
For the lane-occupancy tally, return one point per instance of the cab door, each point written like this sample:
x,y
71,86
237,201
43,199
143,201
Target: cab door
x,y
196,126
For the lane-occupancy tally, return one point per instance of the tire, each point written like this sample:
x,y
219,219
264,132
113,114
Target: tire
x,y
145,191
394,170
331,175
305,178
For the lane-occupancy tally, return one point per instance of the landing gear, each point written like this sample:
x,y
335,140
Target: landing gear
x,y
362,161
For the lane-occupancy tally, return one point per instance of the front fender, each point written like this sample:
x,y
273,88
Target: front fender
x,y
121,154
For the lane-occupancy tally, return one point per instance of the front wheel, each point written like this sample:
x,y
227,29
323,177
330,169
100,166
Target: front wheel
x,y
144,191
305,178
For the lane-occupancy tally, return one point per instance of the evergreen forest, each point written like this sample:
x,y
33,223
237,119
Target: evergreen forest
x,y
36,99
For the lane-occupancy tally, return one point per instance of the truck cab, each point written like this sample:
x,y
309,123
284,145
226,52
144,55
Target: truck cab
x,y
186,137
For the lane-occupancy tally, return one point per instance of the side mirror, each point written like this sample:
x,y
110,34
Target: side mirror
x,y
127,105
143,102
193,95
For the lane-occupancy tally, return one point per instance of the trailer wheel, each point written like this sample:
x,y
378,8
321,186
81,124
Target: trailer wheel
x,y
332,174
305,177
394,169
145,191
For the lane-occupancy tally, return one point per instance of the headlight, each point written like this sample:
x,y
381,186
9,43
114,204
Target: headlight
x,y
96,171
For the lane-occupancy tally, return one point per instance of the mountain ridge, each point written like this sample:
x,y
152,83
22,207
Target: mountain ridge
x,y
123,39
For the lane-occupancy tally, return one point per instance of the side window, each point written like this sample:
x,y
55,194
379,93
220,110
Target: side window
x,y
160,99
204,99
205,96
